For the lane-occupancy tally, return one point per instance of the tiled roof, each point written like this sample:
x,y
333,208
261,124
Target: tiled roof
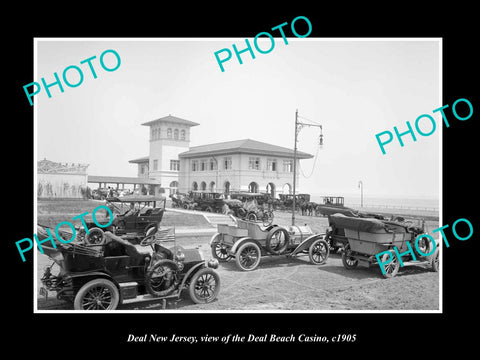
x,y
139,160
121,179
242,146
173,119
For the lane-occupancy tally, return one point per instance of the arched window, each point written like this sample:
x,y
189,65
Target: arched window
x,y
194,186
226,186
182,135
212,186
287,188
169,133
253,187
203,185
175,134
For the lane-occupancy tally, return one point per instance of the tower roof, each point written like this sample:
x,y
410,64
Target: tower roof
x,y
171,119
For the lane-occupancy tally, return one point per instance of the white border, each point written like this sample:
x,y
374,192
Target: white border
x,y
167,311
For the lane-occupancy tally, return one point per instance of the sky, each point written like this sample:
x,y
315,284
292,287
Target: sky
x,y
354,88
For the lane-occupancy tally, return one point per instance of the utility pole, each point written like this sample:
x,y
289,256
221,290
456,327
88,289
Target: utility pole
x,y
298,127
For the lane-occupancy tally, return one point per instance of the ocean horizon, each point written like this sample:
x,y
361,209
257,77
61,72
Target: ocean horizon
x,y
384,201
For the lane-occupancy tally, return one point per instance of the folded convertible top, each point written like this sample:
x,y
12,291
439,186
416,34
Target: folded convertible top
x,y
370,225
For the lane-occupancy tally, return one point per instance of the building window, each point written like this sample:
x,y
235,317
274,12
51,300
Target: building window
x,y
194,186
169,133
143,169
203,185
288,165
175,165
213,165
254,163
272,164
155,164
227,163
175,134
203,165
182,134
194,165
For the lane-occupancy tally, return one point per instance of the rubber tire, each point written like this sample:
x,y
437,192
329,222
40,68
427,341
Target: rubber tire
x,y
345,259
325,247
396,263
172,265
270,235
194,279
239,252
209,209
150,231
77,303
435,259
93,231
215,255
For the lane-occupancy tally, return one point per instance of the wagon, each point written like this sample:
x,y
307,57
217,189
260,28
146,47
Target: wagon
x,y
366,237
247,242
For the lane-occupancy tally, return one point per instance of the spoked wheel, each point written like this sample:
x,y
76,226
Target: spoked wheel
x,y
348,261
204,286
319,251
160,279
248,256
98,294
267,218
390,269
95,236
220,252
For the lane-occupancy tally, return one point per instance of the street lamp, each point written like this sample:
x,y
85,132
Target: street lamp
x,y
298,127
360,185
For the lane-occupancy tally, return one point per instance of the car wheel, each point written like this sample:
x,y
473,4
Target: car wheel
x,y
98,294
277,240
160,279
95,236
349,262
252,217
436,260
204,286
318,252
248,256
391,269
209,209
150,231
220,251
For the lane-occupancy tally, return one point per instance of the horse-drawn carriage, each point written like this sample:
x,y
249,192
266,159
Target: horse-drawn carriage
x,y
248,241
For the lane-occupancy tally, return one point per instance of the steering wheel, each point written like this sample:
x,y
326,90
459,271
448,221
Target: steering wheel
x,y
148,240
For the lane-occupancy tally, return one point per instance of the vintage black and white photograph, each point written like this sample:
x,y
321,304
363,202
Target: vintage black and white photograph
x,y
267,175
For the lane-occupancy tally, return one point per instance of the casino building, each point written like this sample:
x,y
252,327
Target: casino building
x,y
240,165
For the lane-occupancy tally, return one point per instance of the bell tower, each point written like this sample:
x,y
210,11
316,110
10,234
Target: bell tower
x,y
169,136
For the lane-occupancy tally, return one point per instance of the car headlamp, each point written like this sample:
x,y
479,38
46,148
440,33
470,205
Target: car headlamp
x,y
180,256
213,263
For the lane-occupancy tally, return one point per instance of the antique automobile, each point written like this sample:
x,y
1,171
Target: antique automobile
x,y
331,205
254,207
135,214
247,242
180,200
207,201
121,270
366,237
